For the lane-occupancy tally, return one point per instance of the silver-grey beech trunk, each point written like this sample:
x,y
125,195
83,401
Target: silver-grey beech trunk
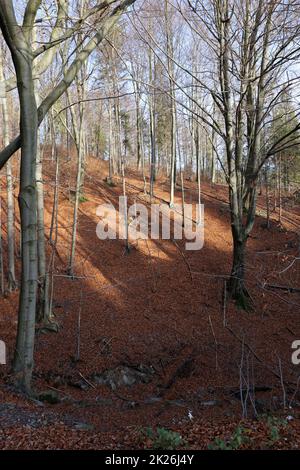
x,y
19,45
23,359
18,39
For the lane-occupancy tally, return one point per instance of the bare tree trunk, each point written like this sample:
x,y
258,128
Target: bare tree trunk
x,y
152,129
267,197
170,68
56,193
43,301
199,179
181,181
117,134
18,39
21,51
173,152
119,137
2,282
125,207
80,151
52,134
142,152
198,151
238,268
12,284
23,359
213,159
279,190
111,163
236,283
153,151
43,313
138,127
79,138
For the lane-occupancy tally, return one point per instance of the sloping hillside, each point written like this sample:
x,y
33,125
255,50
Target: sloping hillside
x,y
159,343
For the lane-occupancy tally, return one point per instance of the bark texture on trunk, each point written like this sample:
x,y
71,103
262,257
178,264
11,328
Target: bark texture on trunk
x,y
236,284
23,359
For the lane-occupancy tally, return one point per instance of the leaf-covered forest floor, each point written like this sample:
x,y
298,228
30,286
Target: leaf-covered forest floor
x,y
158,346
